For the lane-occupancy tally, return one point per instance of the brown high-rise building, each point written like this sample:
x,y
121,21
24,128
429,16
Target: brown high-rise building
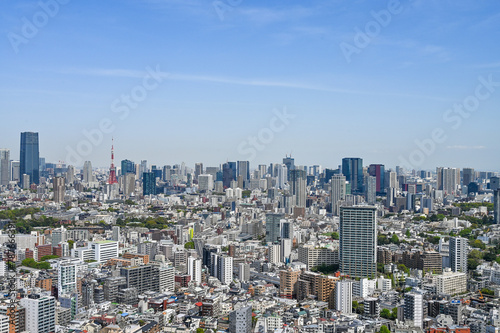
x,y
288,283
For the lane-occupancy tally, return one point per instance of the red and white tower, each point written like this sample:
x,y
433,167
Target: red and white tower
x,y
112,170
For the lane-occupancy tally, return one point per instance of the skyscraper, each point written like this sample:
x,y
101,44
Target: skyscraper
x,y
378,171
30,157
298,182
4,166
371,190
448,179
228,173
352,169
148,183
127,167
244,170
496,206
338,192
198,169
88,176
15,171
358,241
273,227
290,164
59,188
458,254
469,175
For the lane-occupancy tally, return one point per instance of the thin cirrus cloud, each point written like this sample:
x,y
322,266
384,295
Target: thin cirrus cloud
x,y
245,81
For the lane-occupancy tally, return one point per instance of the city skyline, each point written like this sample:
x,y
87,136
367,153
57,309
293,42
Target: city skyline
x,y
223,79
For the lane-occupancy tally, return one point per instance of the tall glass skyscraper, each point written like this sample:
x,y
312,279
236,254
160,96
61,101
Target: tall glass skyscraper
x,y
352,169
29,157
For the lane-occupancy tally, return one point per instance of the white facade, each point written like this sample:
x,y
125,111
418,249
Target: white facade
x,y
225,269
40,313
66,282
205,182
274,254
451,283
4,324
286,249
343,297
167,279
458,254
194,269
244,272
364,287
105,250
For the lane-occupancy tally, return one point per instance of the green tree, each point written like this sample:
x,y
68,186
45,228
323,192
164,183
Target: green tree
x,y
384,329
71,243
407,233
385,313
335,235
395,239
472,264
189,245
200,330
52,256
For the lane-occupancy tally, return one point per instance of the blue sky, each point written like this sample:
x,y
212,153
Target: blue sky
x,y
224,75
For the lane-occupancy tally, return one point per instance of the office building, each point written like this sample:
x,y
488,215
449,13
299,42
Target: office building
x,y
240,321
29,156
496,206
104,250
4,167
205,183
469,176
148,183
88,175
286,250
338,192
273,227
358,241
458,254
244,170
116,233
352,169
127,167
448,179
378,171
343,297
40,313
413,308
298,182
59,235
229,173
15,171
59,188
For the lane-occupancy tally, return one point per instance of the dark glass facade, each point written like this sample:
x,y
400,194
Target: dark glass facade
x,y
29,157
